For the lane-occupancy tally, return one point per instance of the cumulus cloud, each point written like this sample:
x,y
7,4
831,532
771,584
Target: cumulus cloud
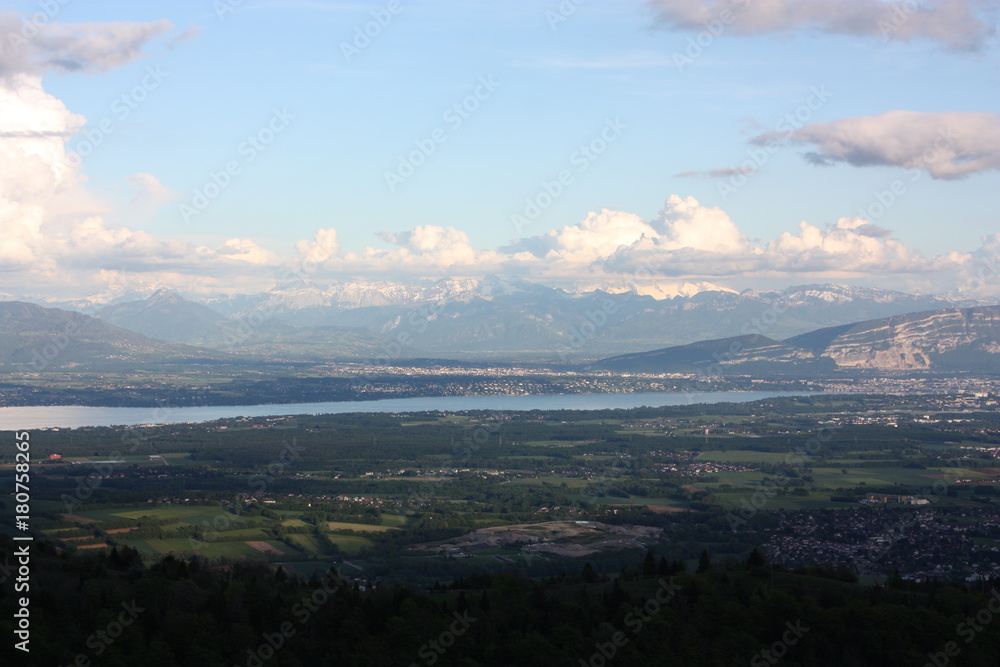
x,y
446,245
947,145
686,224
850,244
956,25
596,237
686,240
246,250
322,247
53,236
426,250
148,191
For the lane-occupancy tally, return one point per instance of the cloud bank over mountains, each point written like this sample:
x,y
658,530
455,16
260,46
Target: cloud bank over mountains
x,y
55,239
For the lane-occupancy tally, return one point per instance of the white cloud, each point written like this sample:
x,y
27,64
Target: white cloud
x,y
851,244
448,245
956,25
686,224
424,250
149,192
30,47
53,236
946,144
323,246
247,251
596,237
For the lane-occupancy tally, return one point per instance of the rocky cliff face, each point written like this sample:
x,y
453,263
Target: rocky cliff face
x,y
953,339
950,338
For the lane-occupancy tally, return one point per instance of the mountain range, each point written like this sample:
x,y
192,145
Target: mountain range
x,y
807,328
34,338
498,319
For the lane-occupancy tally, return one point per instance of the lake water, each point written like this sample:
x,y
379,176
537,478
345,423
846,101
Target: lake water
x,y
74,416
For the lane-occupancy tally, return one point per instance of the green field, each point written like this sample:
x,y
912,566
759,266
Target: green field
x,y
350,544
394,520
194,514
357,527
743,456
235,549
554,480
180,545
245,534
813,501
914,477
308,544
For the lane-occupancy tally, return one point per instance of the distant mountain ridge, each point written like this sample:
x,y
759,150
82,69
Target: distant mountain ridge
x,y
500,318
33,338
951,339
507,319
168,316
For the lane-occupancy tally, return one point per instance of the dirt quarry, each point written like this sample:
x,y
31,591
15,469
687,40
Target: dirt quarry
x,y
561,538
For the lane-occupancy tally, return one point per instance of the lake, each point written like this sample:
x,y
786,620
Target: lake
x,y
75,416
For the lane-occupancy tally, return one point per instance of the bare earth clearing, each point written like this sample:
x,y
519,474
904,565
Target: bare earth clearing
x,y
561,538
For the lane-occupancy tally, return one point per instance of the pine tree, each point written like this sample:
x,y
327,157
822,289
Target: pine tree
x,y
704,562
649,565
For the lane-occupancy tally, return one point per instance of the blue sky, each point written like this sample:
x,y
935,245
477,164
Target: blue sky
x,y
538,81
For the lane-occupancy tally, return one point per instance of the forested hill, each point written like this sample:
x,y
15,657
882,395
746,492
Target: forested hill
x,y
110,610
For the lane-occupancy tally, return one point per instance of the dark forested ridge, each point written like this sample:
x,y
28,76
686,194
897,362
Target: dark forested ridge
x,y
810,530
111,609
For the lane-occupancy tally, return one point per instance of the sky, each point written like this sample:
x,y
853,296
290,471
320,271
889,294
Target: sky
x,y
221,147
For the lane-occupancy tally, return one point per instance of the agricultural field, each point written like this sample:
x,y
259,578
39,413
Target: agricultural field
x,y
742,456
368,487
